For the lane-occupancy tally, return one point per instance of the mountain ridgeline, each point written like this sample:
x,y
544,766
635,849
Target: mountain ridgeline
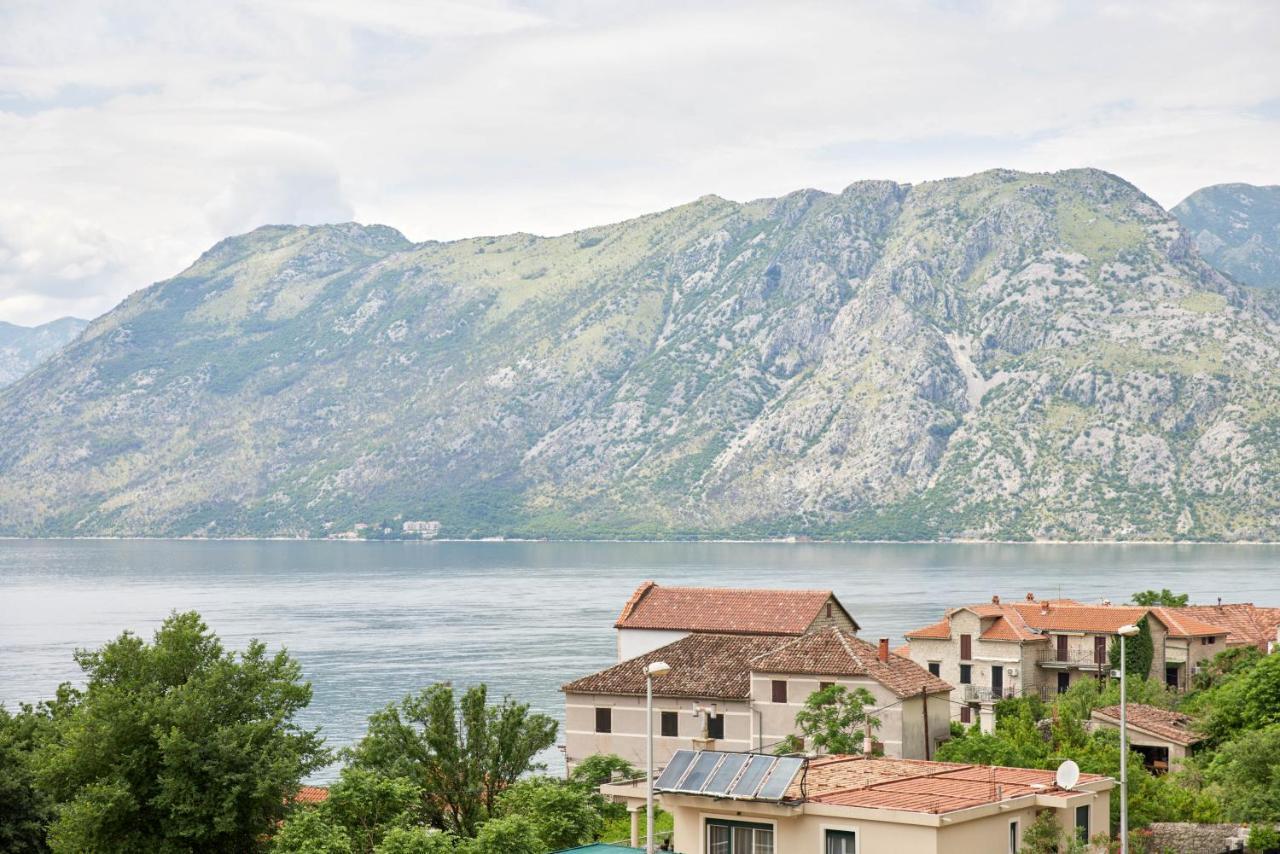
x,y
1236,228
1005,355
24,347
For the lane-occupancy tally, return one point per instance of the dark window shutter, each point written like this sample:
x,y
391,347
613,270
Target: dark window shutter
x,y
670,724
966,647
604,720
715,726
779,690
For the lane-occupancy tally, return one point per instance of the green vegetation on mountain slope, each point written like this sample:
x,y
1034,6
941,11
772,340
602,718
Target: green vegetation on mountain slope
x,y
1006,355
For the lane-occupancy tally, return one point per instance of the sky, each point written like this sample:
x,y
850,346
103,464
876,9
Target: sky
x,y
135,134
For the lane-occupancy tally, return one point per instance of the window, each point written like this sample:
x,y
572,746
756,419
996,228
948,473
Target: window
x,y
842,842
966,647
1062,648
828,610
1209,641
935,667
737,837
1013,837
966,674
997,680
822,686
670,724
604,720
1100,649
965,715
1082,823
779,690
715,726
1064,682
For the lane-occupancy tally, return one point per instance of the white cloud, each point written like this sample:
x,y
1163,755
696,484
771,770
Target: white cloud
x,y
146,131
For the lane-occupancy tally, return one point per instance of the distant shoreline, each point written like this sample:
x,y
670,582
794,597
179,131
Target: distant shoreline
x,y
616,540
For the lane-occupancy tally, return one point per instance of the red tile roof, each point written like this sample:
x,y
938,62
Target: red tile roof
x,y
703,665
725,610
1169,725
832,652
1246,623
310,795
1029,620
916,785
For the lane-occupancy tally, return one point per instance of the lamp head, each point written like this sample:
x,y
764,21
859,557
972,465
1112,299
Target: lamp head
x,y
1128,631
658,668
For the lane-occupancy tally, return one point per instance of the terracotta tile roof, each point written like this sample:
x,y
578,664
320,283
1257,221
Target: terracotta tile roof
x,y
1247,624
1078,618
938,631
1173,726
1011,627
916,785
726,610
1185,625
310,795
832,652
703,665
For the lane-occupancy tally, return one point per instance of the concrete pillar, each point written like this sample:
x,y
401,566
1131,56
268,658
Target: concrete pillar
x,y
987,717
635,826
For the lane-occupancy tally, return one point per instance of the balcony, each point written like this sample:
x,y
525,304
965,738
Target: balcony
x,y
1074,661
986,694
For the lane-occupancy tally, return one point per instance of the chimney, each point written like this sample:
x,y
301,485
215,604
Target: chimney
x,y
884,650
995,600
1106,603
1044,608
1219,603
1031,597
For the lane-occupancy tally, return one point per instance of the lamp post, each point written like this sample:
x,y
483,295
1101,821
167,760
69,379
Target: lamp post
x,y
656,668
1124,632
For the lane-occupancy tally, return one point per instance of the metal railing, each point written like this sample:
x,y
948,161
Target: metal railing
x,y
987,694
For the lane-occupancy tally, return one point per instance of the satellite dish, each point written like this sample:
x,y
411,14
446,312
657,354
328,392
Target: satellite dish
x,y
1068,775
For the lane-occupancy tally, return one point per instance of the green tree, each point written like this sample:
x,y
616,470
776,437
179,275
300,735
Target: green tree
x,y
367,805
835,719
1042,836
513,834
594,771
177,745
1246,774
25,809
416,840
1139,651
1164,597
459,753
563,816
311,830
1263,837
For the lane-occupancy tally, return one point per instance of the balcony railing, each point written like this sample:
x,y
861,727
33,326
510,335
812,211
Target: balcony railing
x,y
1079,661
987,694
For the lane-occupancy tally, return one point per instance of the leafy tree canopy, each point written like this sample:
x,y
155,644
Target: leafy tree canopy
x,y
1246,773
176,745
562,815
834,720
1139,652
1164,597
459,753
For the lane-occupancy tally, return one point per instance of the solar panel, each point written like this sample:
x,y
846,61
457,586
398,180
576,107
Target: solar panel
x,y
751,776
784,771
725,775
698,775
675,769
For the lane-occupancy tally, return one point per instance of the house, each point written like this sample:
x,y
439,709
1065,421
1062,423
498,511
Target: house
x,y
1246,623
735,803
656,615
742,691
995,650
1163,737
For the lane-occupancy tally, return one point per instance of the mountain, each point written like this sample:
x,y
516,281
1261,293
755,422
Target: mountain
x,y
24,347
1236,228
1005,355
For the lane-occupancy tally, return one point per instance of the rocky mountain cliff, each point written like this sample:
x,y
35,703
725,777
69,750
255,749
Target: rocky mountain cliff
x,y
1006,355
1236,228
24,347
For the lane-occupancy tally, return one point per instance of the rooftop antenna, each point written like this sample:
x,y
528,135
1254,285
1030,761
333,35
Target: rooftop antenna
x,y
1067,775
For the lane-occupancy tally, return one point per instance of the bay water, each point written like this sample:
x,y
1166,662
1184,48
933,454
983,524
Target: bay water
x,y
371,622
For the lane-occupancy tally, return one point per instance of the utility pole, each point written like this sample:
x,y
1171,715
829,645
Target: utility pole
x,y
924,704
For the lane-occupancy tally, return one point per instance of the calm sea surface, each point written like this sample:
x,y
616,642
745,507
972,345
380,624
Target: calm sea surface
x,y
371,622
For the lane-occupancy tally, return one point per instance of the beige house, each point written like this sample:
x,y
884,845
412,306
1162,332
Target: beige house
x,y
1163,737
997,649
731,803
657,615
741,692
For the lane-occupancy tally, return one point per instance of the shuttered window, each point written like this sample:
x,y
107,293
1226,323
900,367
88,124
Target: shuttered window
x,y
604,720
779,690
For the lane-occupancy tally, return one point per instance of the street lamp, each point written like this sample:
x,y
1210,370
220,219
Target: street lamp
x,y
658,669
1124,632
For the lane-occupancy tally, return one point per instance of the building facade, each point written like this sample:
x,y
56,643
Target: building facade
x,y
742,692
996,650
860,805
